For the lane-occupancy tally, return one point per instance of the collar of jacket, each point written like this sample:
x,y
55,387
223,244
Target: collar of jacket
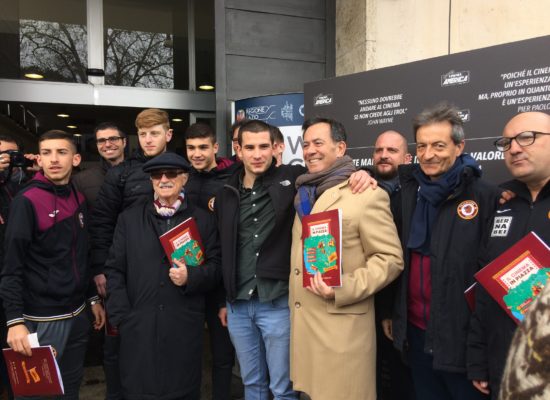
x,y
521,190
329,197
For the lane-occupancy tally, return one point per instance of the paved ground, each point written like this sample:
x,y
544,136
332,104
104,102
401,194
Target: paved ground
x,y
93,385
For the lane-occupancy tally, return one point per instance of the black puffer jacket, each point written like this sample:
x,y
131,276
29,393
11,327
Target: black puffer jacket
x,y
124,185
491,329
201,188
453,256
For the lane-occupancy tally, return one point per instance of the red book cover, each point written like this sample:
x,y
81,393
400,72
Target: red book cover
x,y
516,277
322,247
183,242
37,375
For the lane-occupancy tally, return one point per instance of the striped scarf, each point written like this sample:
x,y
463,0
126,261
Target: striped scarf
x,y
311,186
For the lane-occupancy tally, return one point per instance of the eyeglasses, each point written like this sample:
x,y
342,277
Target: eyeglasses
x,y
110,139
169,173
523,139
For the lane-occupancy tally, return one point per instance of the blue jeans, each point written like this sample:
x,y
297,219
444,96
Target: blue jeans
x,y
260,333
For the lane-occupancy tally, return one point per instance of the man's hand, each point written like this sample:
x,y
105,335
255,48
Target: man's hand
x,y
222,315
33,158
482,386
178,274
319,287
387,328
99,316
506,196
360,180
4,161
101,285
18,339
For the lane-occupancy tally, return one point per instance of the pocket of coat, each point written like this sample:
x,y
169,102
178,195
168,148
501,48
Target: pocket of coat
x,y
361,307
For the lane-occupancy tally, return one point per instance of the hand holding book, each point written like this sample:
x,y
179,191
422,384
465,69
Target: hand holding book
x,y
178,274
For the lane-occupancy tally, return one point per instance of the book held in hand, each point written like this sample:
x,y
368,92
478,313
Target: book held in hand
x,y
516,277
322,247
183,242
37,375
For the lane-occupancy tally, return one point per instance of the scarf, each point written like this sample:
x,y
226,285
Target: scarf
x,y
431,194
311,186
167,210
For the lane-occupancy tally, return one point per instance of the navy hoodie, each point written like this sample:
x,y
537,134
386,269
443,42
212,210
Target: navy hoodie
x,y
46,275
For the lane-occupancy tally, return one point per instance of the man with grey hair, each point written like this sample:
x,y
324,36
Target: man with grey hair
x,y
440,211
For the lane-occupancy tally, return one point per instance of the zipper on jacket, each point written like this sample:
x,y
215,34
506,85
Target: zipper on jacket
x,y
73,250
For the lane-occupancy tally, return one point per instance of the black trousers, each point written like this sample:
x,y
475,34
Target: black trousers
x,y
223,352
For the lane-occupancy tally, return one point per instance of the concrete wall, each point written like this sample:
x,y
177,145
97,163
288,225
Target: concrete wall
x,y
373,34
269,47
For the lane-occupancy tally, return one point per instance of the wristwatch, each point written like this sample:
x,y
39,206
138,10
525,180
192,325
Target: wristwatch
x,y
94,302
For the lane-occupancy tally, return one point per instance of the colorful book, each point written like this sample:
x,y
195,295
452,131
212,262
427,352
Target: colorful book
x,y
322,247
37,375
516,277
183,242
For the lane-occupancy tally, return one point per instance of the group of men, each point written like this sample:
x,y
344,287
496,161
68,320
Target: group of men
x,y
415,242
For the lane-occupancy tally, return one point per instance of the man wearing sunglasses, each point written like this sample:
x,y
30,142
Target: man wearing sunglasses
x,y
158,303
525,142
125,185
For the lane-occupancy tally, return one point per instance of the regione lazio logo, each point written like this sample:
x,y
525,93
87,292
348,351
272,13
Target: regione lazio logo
x,y
501,226
455,78
467,209
322,99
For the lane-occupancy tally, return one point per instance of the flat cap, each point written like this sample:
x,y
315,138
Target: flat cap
x,y
166,161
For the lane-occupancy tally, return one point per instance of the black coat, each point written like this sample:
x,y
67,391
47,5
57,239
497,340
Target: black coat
x,y
274,259
453,256
161,325
124,185
89,181
491,329
201,188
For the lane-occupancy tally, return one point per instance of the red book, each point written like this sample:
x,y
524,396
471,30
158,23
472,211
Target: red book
x,y
322,247
516,277
183,242
37,375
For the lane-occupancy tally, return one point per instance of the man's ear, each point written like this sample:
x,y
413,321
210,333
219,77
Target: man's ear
x,y
408,158
169,134
216,147
77,158
341,147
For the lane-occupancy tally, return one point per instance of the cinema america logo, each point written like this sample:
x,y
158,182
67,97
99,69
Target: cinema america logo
x,y
452,78
322,99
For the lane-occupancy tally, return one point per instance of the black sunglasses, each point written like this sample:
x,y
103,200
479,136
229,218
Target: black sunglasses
x,y
169,173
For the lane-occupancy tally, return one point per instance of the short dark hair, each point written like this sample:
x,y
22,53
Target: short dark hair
x,y
57,134
256,126
441,112
9,139
108,125
236,125
200,130
277,134
337,130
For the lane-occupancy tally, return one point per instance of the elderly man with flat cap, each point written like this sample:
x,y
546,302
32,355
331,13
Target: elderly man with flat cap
x,y
157,303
